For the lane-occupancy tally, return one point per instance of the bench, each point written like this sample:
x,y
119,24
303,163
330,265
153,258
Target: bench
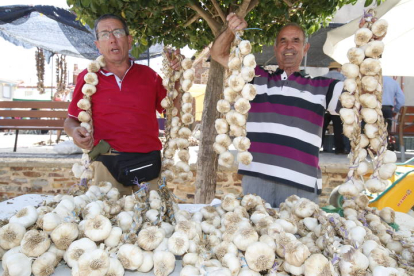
x,y
404,127
32,115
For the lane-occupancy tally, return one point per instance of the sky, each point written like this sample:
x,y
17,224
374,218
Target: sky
x,y
18,63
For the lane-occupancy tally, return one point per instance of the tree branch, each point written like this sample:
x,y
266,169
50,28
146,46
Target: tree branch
x,y
215,27
287,2
167,8
242,10
252,5
219,10
189,22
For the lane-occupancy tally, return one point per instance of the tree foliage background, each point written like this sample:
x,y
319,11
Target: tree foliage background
x,y
197,23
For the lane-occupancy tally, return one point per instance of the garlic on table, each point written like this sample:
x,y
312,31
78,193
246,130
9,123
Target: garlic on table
x,y
64,234
26,216
130,256
148,262
115,268
11,235
94,263
76,250
164,263
149,238
17,264
34,243
98,228
44,265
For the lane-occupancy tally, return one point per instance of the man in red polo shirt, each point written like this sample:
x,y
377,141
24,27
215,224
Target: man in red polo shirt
x,y
123,107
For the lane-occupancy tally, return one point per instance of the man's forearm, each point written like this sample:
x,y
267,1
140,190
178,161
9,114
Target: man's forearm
x,y
69,125
220,50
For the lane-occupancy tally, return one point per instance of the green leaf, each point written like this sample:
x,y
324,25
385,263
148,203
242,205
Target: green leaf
x,y
368,2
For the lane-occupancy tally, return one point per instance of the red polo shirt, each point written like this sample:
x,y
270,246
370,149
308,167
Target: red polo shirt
x,y
124,115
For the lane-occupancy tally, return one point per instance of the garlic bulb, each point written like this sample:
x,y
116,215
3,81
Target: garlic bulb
x,y
44,265
234,63
114,237
242,106
362,36
347,115
148,262
17,264
223,106
364,141
296,253
64,234
245,47
76,249
91,78
101,61
350,85
247,73
369,115
229,94
115,268
186,63
84,104
189,270
34,243
356,55
260,256
389,157
98,228
188,74
26,216
249,61
353,262
11,235
370,67
94,263
221,126
387,170
375,186
347,100
226,159
369,83
149,238
350,70
374,49
379,28
236,82
186,85
164,263
232,262
130,256
178,243
348,189
368,100
248,92
94,66
88,89
241,143
304,208
245,237
244,157
84,117
371,130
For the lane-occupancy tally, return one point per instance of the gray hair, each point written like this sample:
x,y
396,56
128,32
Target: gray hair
x,y
110,16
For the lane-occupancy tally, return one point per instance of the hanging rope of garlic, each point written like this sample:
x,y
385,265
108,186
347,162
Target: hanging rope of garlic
x,y
84,169
363,100
40,68
61,73
177,132
235,104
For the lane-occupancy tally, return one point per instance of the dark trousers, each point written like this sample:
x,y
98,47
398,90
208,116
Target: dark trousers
x,y
337,126
387,113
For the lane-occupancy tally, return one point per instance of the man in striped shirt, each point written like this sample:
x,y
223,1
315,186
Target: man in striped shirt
x,y
285,120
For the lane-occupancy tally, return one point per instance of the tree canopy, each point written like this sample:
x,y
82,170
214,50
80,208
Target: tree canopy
x,y
196,22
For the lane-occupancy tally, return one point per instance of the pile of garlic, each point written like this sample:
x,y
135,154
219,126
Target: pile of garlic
x,y
177,131
82,169
99,233
363,100
235,105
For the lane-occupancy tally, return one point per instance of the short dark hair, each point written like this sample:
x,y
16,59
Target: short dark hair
x,y
110,16
292,24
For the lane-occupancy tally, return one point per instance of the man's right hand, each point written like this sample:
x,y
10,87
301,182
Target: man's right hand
x,y
236,23
82,138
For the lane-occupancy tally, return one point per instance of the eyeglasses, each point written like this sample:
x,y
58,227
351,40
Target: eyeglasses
x,y
105,35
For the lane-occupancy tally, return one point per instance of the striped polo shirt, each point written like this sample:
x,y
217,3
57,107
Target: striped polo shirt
x,y
285,127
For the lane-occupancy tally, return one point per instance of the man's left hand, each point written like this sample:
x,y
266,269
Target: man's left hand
x,y
174,59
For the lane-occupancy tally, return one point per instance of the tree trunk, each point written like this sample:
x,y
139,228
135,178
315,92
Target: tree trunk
x,y
207,158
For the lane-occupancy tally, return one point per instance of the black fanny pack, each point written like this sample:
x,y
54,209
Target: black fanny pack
x,y
130,168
